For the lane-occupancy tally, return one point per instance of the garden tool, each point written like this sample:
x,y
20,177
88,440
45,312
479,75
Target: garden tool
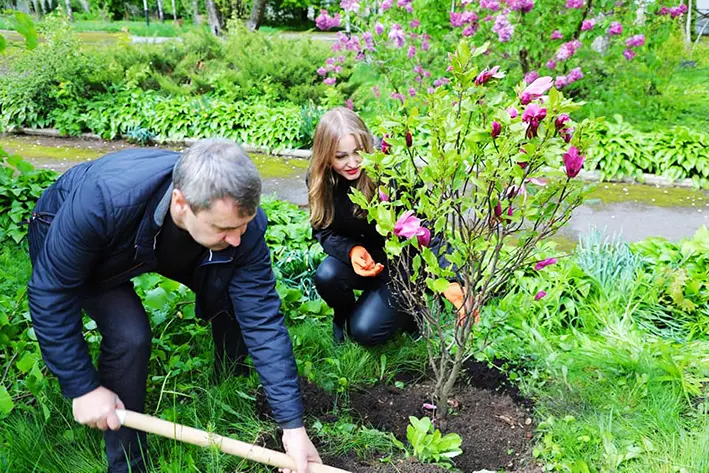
x,y
171,430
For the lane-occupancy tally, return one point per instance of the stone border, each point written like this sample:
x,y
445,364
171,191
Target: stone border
x,y
593,176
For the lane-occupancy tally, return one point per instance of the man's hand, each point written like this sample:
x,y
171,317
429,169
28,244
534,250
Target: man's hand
x,y
98,409
299,447
363,264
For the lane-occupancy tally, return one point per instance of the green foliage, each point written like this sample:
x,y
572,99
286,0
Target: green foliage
x,y
619,150
430,446
20,186
41,80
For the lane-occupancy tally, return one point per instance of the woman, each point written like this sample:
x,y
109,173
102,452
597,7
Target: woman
x,y
356,257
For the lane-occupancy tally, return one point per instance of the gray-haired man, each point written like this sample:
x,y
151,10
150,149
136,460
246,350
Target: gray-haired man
x,y
193,217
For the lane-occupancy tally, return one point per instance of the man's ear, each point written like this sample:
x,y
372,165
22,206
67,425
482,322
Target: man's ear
x,y
179,203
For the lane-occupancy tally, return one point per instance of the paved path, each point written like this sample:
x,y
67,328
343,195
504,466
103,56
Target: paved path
x,y
635,211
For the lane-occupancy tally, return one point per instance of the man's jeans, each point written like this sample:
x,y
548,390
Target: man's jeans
x,y
123,363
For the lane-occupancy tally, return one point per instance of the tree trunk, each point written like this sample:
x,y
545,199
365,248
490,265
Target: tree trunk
x,y
69,11
688,31
174,11
37,11
257,11
195,11
161,15
213,18
85,5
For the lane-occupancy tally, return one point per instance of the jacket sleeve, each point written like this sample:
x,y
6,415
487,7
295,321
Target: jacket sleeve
x,y
334,244
256,305
74,239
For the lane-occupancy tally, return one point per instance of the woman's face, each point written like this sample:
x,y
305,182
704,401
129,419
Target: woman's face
x,y
346,161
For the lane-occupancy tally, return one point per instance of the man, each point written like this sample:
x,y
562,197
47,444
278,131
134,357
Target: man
x,y
192,217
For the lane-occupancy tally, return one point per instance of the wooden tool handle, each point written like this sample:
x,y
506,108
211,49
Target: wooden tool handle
x,y
164,428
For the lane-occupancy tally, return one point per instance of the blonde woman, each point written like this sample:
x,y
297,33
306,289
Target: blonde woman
x,y
356,258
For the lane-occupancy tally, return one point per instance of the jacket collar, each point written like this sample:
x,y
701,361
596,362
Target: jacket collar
x,y
151,225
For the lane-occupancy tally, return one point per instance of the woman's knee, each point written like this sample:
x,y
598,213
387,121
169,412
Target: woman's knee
x,y
373,321
329,274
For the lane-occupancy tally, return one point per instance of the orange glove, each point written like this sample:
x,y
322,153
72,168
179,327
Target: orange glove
x,y
363,264
456,296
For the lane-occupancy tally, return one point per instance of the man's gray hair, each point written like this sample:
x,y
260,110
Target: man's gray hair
x,y
213,169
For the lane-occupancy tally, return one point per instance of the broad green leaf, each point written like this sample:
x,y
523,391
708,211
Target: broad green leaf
x,y
6,403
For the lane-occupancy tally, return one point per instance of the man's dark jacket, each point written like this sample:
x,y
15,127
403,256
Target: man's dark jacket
x,y
105,218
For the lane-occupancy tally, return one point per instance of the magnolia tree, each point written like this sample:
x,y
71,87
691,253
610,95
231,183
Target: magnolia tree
x,y
560,38
468,189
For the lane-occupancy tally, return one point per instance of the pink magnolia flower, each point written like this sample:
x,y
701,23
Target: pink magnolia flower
x,y
561,120
567,134
429,407
664,11
412,92
386,147
533,115
349,5
540,295
531,76
573,161
386,4
587,25
430,90
574,3
544,263
412,51
525,6
382,194
635,41
409,226
413,24
456,19
470,30
496,130
615,29
536,89
503,28
629,54
322,71
368,40
513,112
426,44
492,5
324,21
330,81
556,35
488,74
376,92
678,10
561,82
379,28
575,74
551,64
396,35
398,96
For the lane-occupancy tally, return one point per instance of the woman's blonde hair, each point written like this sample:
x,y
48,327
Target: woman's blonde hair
x,y
333,126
